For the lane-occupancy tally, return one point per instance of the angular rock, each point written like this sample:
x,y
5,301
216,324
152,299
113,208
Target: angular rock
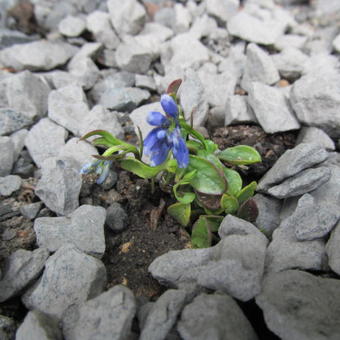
x,y
336,44
31,210
271,108
85,71
88,50
18,139
182,18
300,306
101,119
72,26
289,41
44,140
70,278
9,37
312,221
27,94
253,29
107,317
268,218
163,314
21,269
214,316
59,186
39,55
123,99
259,67
6,156
128,17
9,184
98,23
133,57
317,136
116,217
318,92
81,152
333,250
145,82
286,251
192,99
84,228
188,51
237,110
290,63
301,183
39,326
12,120
293,161
235,265
68,106
223,10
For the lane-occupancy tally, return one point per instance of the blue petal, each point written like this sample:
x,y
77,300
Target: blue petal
x,y
180,150
104,173
89,167
150,140
157,119
169,105
160,153
161,134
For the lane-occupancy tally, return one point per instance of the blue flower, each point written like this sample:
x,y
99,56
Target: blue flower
x,y
101,168
166,136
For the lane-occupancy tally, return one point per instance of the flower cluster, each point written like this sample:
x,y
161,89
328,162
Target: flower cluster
x,y
166,136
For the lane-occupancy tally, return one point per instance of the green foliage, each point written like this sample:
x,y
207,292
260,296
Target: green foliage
x,y
209,187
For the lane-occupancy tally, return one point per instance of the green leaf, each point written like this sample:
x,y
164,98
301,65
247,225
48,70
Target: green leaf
x,y
106,135
248,210
240,155
189,175
201,235
180,212
139,168
193,145
234,181
100,141
210,146
246,192
208,179
208,201
229,204
192,131
183,197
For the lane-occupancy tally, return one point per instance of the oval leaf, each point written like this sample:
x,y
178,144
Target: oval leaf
x,y
180,212
229,204
240,155
208,179
247,192
201,235
234,181
248,210
183,197
139,168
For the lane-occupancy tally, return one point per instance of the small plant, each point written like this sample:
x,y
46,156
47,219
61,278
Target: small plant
x,y
199,175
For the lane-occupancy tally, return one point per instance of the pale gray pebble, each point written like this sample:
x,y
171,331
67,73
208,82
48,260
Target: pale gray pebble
x,y
45,140
223,10
145,82
84,228
12,120
9,184
60,185
21,269
298,305
333,250
301,183
70,278
37,325
259,67
72,26
214,316
6,156
116,217
303,156
312,221
107,317
315,135
237,111
268,218
163,314
18,139
235,265
31,210
266,102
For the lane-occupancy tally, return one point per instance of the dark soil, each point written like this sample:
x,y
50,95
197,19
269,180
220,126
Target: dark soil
x,y
270,146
